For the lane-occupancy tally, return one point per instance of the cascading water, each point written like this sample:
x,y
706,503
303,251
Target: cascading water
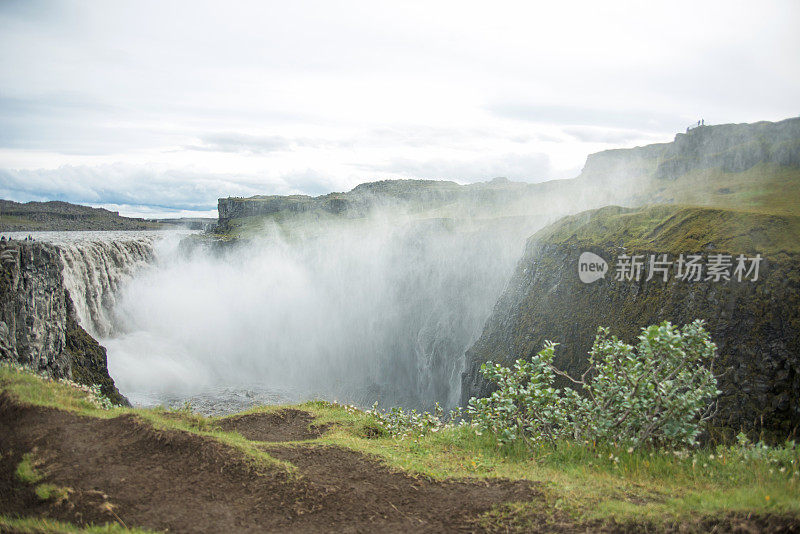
x,y
380,309
94,270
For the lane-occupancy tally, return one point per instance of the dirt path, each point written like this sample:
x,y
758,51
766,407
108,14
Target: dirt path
x,y
361,490
123,470
285,425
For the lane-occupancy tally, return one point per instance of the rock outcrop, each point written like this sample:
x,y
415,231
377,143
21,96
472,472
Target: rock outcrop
x,y
729,147
499,196
756,325
38,323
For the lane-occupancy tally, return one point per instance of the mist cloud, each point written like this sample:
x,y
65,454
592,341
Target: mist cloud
x,y
378,310
592,134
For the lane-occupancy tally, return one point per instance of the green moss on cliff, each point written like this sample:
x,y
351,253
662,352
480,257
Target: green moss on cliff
x,y
755,324
764,188
677,229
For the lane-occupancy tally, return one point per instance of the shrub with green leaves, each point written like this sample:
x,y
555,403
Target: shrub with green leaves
x,y
525,405
660,392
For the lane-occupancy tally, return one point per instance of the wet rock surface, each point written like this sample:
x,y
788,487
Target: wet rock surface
x,y
38,324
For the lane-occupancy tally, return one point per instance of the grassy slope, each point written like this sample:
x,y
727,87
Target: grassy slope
x,y
679,229
582,482
14,221
757,210
764,188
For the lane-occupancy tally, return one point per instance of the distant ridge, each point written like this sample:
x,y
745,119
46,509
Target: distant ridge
x,y
742,166
58,215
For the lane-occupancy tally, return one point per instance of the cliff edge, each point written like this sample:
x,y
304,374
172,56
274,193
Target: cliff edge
x,y
754,319
38,324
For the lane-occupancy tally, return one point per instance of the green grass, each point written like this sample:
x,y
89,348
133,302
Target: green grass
x,y
29,525
26,470
48,492
765,188
678,229
31,389
580,482
583,481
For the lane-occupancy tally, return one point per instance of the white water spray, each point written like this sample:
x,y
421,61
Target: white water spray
x,y
375,310
378,309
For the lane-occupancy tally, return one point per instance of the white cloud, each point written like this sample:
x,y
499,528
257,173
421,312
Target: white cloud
x,y
128,185
516,167
184,101
241,143
147,212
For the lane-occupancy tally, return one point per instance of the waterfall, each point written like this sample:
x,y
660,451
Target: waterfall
x,y
359,311
94,270
380,309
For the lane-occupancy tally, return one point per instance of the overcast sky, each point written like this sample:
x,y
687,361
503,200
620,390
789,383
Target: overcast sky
x,y
162,107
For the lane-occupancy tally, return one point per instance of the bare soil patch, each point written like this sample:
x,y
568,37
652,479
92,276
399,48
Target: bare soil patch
x,y
285,425
362,490
122,470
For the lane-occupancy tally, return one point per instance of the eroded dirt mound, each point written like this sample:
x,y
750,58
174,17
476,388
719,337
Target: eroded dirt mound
x,y
122,470
285,425
362,490
162,480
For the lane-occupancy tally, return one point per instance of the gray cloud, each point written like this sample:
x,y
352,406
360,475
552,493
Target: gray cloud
x,y
593,134
582,116
143,190
241,143
130,185
519,167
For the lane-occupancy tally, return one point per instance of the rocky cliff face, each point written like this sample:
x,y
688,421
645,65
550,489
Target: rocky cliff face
x,y
38,323
756,325
729,147
412,196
